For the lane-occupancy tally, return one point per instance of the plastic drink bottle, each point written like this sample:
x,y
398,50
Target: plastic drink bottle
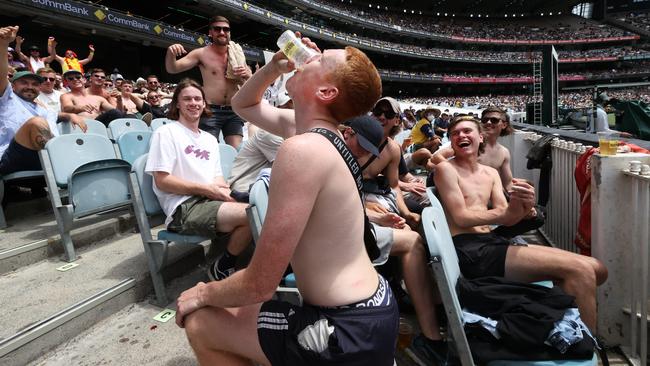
x,y
294,49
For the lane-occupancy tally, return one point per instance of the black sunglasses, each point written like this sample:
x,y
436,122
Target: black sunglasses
x,y
218,29
493,120
48,79
388,114
100,76
75,77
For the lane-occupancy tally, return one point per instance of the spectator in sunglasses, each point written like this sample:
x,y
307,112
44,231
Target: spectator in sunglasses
x,y
83,102
50,97
152,103
223,68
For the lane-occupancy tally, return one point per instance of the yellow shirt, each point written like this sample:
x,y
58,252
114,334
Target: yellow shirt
x,y
417,137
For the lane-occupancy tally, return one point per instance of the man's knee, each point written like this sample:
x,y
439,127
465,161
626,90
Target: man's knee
x,y
583,273
195,325
233,214
34,133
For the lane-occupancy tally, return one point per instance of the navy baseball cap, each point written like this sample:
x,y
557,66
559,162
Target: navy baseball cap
x,y
369,133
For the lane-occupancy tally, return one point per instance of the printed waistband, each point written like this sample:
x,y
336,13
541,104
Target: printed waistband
x,y
381,297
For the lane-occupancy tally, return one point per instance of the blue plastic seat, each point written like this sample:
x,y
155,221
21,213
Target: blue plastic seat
x,y
157,122
444,263
121,125
96,181
227,155
96,127
133,144
146,205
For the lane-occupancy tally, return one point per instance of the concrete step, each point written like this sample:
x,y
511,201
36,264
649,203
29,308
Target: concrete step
x,y
35,236
44,306
129,337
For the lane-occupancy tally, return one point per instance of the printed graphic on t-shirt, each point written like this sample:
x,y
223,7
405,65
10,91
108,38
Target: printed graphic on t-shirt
x,y
201,154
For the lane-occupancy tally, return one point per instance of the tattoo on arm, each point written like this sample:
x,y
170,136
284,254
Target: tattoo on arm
x,y
43,135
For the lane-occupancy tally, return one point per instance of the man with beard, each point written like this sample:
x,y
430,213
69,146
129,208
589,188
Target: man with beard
x,y
25,126
212,60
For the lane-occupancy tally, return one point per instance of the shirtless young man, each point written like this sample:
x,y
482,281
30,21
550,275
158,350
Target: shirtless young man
x,y
212,60
386,111
495,124
81,102
466,187
315,222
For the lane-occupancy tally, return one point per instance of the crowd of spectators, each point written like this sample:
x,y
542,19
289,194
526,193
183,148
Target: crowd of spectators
x,y
550,28
517,103
639,20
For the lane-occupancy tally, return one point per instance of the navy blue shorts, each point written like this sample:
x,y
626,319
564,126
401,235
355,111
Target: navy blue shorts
x,y
18,158
358,334
481,255
223,120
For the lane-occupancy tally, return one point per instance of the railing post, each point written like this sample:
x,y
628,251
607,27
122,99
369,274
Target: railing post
x,y
612,241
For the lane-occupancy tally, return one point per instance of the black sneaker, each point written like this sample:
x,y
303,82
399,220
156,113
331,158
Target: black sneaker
x,y
423,352
217,274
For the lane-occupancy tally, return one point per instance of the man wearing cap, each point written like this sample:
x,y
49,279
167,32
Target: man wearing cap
x,y
25,126
422,134
386,190
81,102
34,61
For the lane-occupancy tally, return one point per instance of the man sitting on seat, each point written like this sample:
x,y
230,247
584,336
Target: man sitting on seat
x,y
25,126
80,101
315,222
466,187
185,164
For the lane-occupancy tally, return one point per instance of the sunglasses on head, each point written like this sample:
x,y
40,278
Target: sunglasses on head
x,y
493,120
74,77
218,29
377,112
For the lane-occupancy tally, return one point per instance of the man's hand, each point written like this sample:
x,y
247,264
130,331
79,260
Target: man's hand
x,y
391,220
19,40
177,50
88,108
77,120
377,207
413,220
415,186
243,72
91,48
522,191
8,35
189,301
218,193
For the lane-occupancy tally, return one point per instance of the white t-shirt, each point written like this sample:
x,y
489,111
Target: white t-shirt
x,y
179,151
256,154
36,64
51,101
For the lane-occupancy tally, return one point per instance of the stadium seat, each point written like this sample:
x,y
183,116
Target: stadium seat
x,y
145,205
94,126
133,144
227,155
157,122
444,263
121,125
259,200
17,176
96,181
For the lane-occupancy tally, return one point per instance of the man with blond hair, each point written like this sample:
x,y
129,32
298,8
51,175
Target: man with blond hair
x,y
315,222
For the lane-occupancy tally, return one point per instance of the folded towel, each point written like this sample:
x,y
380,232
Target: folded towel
x,y
235,58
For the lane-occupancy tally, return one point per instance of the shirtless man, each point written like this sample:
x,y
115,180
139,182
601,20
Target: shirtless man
x,y
212,60
387,112
81,102
466,187
315,222
495,124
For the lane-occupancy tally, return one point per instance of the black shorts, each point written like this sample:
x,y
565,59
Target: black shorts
x,y
223,120
18,158
481,255
364,333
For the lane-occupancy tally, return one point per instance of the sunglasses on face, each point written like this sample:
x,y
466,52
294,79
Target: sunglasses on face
x,y
377,112
48,79
218,29
100,76
75,77
153,97
493,120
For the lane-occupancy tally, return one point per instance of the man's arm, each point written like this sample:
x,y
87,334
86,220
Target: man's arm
x,y
439,156
292,194
51,49
174,66
446,179
75,119
21,55
392,175
248,103
91,54
7,35
504,170
173,184
137,101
